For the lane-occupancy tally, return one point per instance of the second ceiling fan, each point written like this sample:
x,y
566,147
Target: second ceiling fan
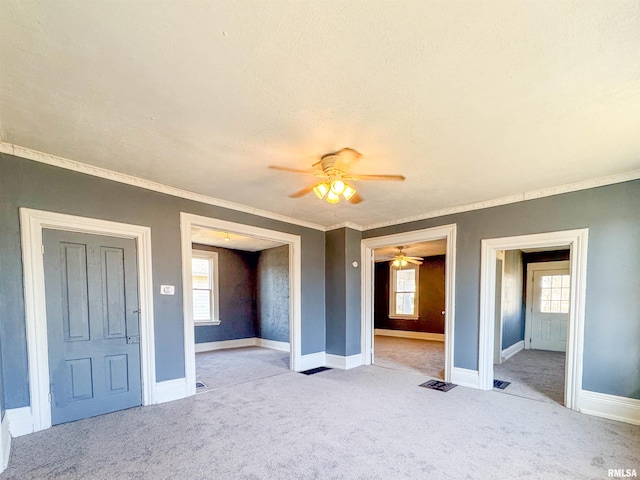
x,y
401,260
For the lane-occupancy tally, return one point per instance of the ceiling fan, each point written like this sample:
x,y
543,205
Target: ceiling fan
x,y
401,260
334,172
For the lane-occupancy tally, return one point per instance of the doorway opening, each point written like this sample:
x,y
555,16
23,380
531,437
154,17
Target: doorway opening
x,y
220,302
383,247
531,322
409,308
240,301
576,242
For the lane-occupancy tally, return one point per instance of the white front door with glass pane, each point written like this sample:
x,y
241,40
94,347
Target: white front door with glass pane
x,y
403,295
550,309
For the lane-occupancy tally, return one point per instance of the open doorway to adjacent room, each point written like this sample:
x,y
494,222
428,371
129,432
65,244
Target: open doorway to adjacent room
x,y
409,307
240,297
533,298
528,319
242,302
407,315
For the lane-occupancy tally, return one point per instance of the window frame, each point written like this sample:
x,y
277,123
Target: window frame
x,y
392,292
212,258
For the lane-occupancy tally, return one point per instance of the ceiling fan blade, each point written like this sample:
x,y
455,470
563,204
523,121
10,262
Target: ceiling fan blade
x,y
410,260
415,258
301,193
293,170
355,199
355,176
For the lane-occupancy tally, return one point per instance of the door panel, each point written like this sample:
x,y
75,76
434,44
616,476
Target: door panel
x,y
92,307
117,373
79,381
75,307
550,310
113,304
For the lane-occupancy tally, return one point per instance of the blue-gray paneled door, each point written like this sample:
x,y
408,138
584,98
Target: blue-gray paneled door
x,y
92,324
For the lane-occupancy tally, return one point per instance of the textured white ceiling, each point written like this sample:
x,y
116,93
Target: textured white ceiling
x,y
233,241
469,100
422,249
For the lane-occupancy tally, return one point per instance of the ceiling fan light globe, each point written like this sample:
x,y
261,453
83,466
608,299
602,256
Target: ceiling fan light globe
x,y
403,262
348,192
396,263
333,197
337,187
321,190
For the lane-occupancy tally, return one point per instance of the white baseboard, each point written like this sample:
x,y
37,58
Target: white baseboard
x,y
170,390
224,344
622,409
436,337
344,363
509,352
5,442
465,377
273,344
20,421
312,360
243,342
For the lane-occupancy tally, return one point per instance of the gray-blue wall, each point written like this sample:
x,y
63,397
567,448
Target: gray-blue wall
x,y
272,294
2,408
512,299
236,294
343,291
335,291
353,318
253,294
24,183
612,324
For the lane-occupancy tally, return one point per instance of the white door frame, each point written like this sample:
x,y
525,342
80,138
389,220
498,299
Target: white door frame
x,y
188,220
447,232
577,241
536,267
497,354
32,222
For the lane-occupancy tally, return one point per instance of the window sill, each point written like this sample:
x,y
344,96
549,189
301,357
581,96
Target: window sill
x,y
404,317
207,323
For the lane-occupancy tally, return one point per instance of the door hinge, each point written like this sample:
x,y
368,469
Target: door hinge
x,y
51,387
42,249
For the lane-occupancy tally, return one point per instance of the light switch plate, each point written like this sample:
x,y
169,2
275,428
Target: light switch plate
x,y
167,289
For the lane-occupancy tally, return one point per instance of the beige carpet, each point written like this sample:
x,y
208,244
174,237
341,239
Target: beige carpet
x,y
534,374
365,423
222,368
419,356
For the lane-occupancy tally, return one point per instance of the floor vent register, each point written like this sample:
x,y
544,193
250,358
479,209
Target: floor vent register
x,y
315,370
501,384
438,385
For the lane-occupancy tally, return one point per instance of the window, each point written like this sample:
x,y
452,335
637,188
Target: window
x,y
554,294
204,278
403,294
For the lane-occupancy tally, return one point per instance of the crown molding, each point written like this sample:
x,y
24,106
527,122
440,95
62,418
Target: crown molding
x,y
75,166
351,225
519,197
583,185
